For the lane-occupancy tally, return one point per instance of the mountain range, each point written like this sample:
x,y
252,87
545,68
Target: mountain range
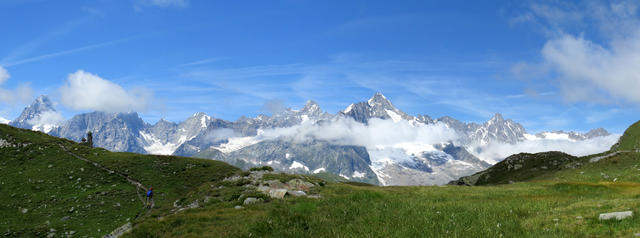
x,y
274,140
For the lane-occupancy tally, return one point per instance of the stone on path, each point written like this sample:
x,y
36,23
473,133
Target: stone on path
x,y
616,215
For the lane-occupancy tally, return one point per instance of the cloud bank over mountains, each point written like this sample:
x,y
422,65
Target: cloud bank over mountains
x,y
411,138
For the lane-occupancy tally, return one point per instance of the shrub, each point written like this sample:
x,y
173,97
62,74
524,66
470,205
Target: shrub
x,y
263,168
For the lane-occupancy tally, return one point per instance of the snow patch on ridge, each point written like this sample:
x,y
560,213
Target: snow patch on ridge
x,y
46,128
236,143
203,121
156,147
357,174
319,170
298,165
394,116
349,108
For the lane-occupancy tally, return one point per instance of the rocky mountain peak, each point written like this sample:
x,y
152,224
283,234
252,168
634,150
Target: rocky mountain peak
x,y
379,100
311,107
597,132
497,118
40,105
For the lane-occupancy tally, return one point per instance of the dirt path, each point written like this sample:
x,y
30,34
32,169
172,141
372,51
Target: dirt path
x,y
126,227
596,159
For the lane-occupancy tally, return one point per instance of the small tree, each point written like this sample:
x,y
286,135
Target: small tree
x,y
90,139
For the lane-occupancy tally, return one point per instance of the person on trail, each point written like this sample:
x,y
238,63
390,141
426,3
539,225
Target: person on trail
x,y
150,197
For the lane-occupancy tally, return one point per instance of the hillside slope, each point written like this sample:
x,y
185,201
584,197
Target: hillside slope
x,y
46,189
630,140
521,167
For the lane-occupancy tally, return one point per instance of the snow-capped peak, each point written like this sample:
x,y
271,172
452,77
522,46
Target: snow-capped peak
x,y
497,118
311,107
378,99
348,109
40,115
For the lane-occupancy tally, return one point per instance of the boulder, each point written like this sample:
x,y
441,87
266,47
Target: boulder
x,y
250,200
277,193
300,184
297,193
616,215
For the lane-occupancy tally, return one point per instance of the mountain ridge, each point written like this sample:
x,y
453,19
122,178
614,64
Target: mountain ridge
x,y
201,133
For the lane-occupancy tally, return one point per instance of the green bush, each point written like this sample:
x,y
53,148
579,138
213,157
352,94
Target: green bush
x,y
263,168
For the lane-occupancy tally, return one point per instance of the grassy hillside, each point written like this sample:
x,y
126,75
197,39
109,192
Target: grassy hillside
x,y
630,140
522,167
562,203
44,189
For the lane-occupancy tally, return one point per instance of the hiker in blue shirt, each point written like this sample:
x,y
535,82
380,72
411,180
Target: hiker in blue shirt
x,y
150,197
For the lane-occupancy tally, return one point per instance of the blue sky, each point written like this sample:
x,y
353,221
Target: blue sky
x,y
547,65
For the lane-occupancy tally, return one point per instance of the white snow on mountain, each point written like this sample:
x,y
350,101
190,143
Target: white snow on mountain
x,y
4,121
357,174
348,109
394,116
298,165
203,121
156,147
46,128
236,143
319,170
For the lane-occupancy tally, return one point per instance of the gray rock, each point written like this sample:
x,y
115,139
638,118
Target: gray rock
x,y
299,184
616,215
250,200
297,193
65,218
238,207
277,193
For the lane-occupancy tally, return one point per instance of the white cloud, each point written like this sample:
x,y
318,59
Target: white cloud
x,y
498,151
377,133
587,68
4,75
86,91
20,94
592,50
47,118
221,134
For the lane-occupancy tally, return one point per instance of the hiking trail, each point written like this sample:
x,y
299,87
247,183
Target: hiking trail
x,y
126,227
